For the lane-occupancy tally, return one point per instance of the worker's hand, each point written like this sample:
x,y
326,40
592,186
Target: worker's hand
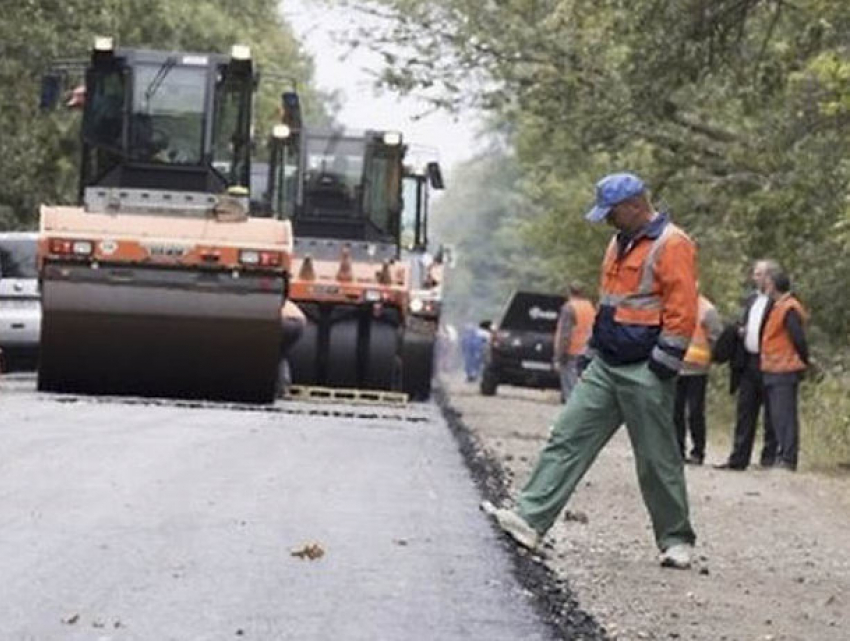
x,y
582,364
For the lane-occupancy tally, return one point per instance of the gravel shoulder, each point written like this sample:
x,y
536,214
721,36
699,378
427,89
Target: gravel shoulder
x,y
773,548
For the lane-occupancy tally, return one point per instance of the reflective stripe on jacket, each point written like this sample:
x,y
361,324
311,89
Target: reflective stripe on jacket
x,y
648,298
778,354
698,357
583,315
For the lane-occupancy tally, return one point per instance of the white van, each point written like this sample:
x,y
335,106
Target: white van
x,y
20,303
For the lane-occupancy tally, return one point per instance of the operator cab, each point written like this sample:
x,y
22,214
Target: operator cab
x,y
416,195
339,184
166,122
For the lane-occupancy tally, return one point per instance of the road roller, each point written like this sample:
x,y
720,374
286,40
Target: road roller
x,y
160,282
359,288
429,270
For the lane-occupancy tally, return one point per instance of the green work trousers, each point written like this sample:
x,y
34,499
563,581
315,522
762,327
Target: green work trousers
x,y
606,397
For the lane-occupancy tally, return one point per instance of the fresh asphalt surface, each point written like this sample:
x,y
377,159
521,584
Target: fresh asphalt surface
x,y
129,520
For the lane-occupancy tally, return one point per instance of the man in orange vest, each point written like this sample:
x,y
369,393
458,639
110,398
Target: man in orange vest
x,y
784,358
693,380
645,320
575,324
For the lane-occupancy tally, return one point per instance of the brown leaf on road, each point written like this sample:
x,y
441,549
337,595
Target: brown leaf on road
x,y
311,551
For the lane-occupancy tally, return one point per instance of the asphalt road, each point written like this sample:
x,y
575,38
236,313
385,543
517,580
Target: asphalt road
x,y
171,521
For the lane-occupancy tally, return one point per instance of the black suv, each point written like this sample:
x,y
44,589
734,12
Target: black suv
x,y
520,349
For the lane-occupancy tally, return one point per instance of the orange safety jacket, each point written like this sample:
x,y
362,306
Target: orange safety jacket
x,y
778,354
648,299
699,351
583,313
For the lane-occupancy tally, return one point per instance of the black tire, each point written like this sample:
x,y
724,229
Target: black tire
x,y
418,369
342,354
382,363
303,355
489,382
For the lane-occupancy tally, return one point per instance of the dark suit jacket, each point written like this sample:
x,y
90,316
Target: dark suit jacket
x,y
730,346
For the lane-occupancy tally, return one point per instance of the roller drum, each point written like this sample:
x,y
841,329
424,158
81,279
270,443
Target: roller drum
x,y
160,333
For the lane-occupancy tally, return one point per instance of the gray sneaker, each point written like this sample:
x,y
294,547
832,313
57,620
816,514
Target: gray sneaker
x,y
512,523
677,556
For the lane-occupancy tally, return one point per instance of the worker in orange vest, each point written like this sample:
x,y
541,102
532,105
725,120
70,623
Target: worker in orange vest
x,y
784,358
575,323
689,409
644,323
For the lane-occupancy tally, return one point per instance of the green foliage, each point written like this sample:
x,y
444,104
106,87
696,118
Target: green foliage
x,y
735,111
39,152
481,216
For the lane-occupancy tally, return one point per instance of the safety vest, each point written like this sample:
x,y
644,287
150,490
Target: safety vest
x,y
633,287
699,351
778,354
584,313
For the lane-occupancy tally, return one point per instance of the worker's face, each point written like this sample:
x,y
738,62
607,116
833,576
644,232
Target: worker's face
x,y
768,286
760,276
625,216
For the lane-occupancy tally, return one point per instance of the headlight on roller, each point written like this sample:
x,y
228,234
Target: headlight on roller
x,y
255,258
249,257
82,247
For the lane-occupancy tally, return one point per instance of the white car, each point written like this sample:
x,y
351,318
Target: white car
x,y
20,302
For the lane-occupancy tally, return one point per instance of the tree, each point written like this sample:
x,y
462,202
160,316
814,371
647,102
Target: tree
x,y
482,215
735,111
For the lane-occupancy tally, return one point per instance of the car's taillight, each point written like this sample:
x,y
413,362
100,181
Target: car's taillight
x,y
71,247
270,259
261,258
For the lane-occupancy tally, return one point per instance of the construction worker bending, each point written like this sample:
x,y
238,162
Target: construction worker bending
x,y
646,317
575,322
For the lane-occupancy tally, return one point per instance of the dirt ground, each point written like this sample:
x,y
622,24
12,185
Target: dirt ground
x,y
773,550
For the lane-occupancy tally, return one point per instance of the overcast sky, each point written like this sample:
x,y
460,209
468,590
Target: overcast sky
x,y
361,107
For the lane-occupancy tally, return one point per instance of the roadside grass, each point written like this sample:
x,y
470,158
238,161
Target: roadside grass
x,y
824,422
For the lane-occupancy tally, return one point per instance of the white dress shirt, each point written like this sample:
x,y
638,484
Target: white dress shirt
x,y
754,320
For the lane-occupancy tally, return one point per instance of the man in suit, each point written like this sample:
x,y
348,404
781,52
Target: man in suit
x,y
747,376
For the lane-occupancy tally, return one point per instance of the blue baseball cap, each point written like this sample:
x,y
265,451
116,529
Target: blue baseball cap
x,y
611,191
